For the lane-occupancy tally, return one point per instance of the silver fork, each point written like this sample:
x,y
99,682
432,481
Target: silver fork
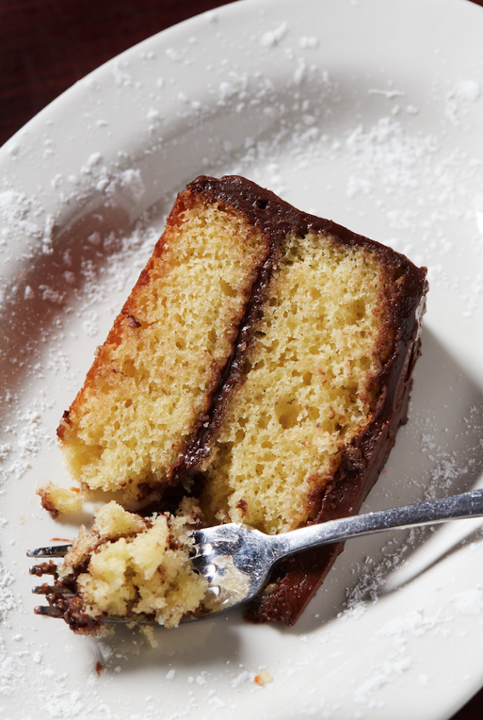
x,y
236,559
252,553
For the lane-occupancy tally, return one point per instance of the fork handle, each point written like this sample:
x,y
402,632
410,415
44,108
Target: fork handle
x,y
457,507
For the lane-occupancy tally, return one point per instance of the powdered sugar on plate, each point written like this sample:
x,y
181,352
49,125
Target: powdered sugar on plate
x,y
392,152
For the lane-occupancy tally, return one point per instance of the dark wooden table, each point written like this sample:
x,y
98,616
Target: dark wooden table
x,y
47,45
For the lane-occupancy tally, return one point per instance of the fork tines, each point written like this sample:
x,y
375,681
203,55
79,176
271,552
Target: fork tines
x,y
48,611
49,551
51,589
49,568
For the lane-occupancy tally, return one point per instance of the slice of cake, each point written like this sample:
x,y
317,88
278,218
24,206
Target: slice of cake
x,y
262,366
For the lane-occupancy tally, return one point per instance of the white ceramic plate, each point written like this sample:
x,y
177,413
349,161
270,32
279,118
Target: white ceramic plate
x,y
365,111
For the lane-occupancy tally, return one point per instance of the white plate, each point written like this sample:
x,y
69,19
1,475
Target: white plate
x,y
368,112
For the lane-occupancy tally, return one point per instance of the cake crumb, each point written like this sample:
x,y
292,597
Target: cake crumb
x,y
263,678
56,499
148,632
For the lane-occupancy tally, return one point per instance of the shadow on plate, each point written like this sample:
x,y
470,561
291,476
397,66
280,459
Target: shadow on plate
x,y
49,285
198,646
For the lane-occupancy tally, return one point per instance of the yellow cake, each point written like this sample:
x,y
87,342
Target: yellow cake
x,y
132,565
261,365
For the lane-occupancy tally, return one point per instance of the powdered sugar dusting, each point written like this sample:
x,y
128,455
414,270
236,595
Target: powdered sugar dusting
x,y
274,37
374,153
469,602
